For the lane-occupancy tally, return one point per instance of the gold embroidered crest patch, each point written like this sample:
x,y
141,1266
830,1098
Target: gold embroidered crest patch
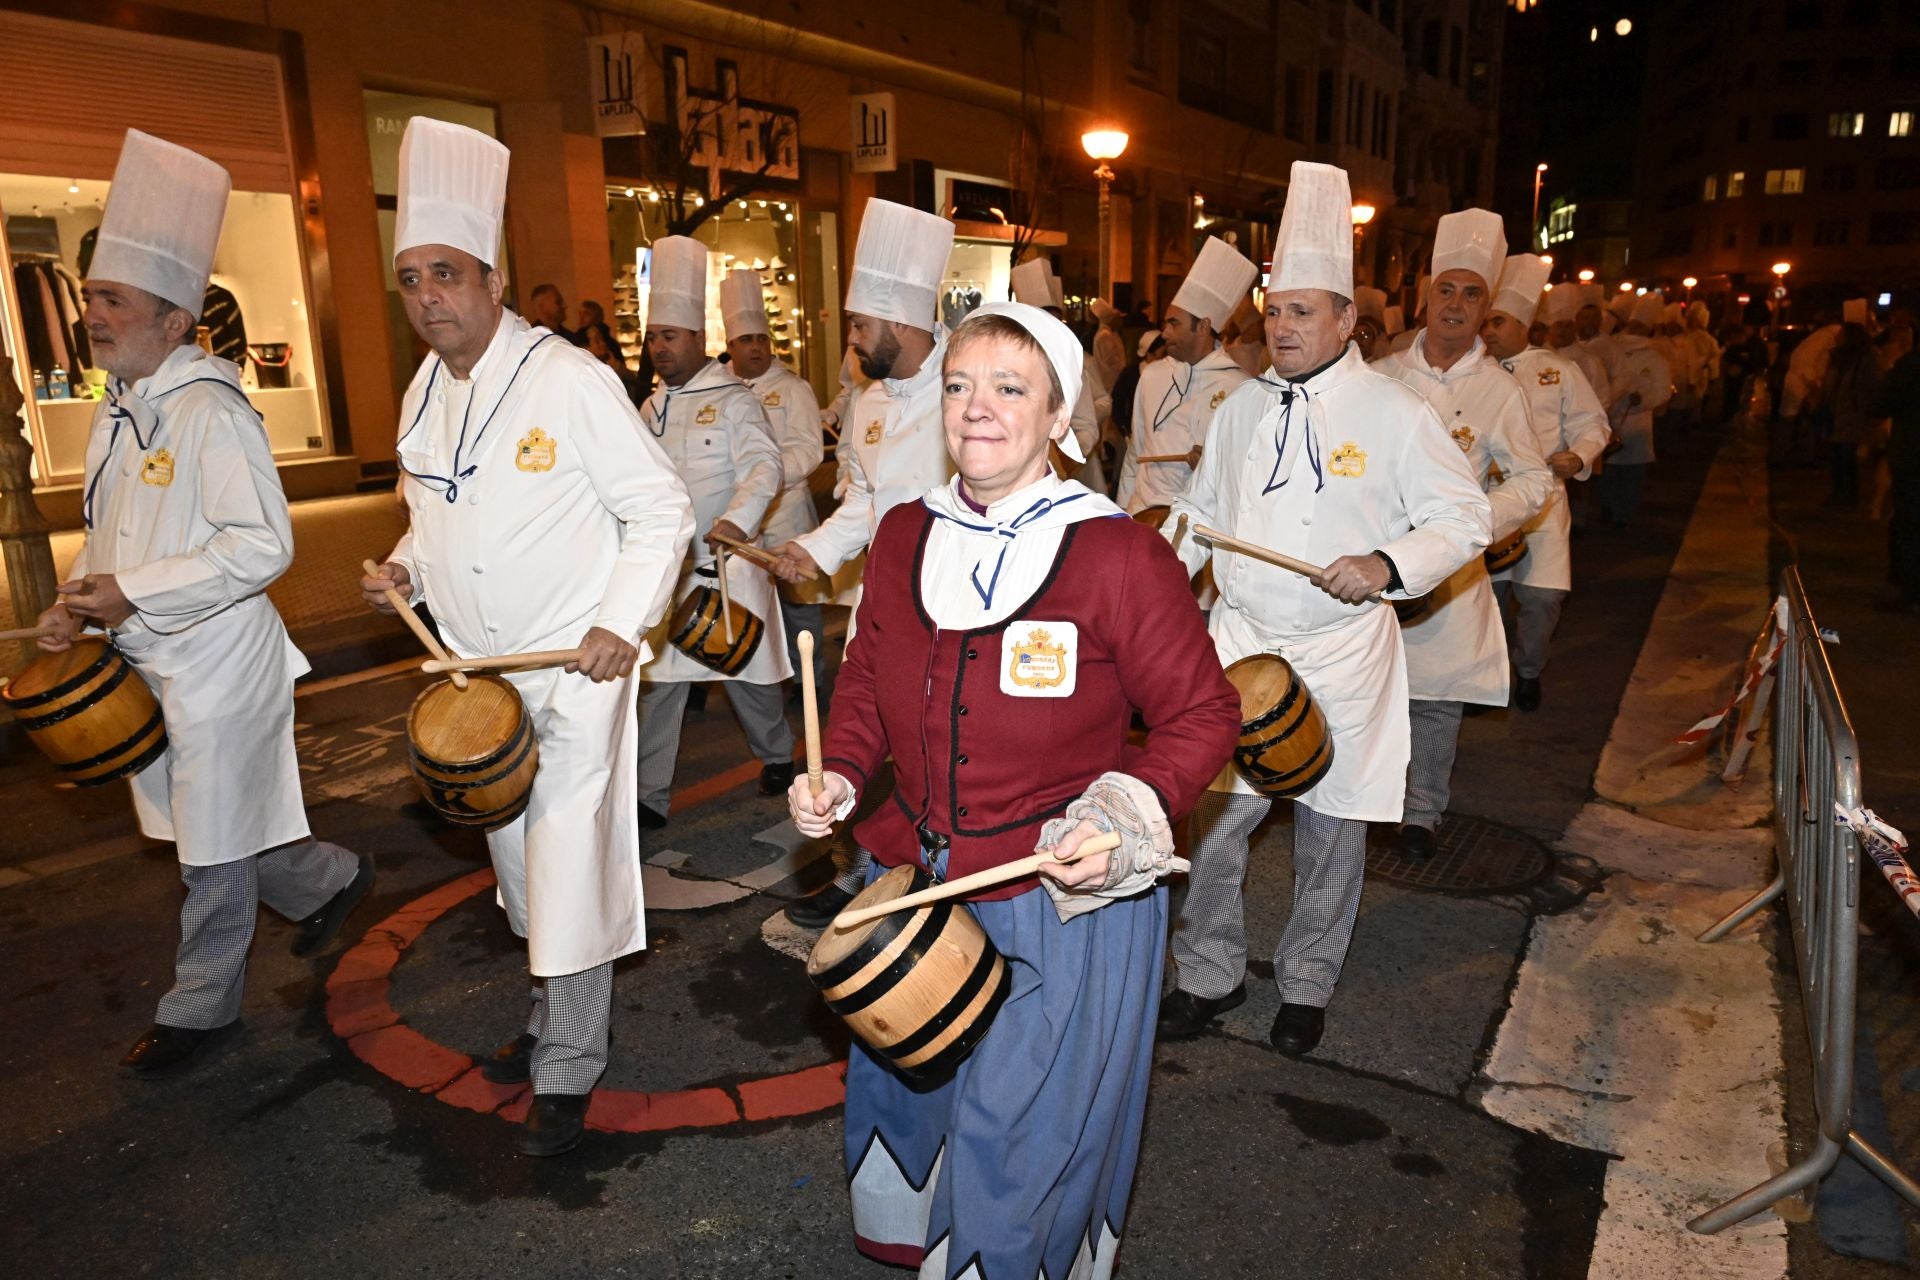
x,y
1039,663
874,429
1218,397
157,468
1348,460
535,452
1463,436
771,400
1549,377
706,417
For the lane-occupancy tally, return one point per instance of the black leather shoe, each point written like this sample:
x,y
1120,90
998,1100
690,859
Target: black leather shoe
x,y
651,819
164,1048
776,778
1417,843
323,926
512,1062
1297,1028
816,911
1526,693
1184,1015
554,1124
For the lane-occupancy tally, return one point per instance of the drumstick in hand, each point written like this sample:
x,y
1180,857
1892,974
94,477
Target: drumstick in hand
x,y
412,619
1161,457
27,633
532,658
978,880
810,712
1268,554
726,605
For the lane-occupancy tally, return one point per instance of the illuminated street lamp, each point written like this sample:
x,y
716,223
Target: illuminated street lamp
x,y
1102,145
1362,215
1586,275
1779,292
1539,173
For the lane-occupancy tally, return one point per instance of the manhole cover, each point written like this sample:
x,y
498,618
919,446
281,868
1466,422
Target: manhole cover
x,y
1476,857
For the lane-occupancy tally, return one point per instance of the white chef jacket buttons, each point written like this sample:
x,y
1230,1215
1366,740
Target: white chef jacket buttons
x,y
479,568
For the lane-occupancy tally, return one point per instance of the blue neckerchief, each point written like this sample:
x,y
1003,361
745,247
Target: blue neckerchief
x,y
123,417
1161,413
1008,531
1289,392
452,482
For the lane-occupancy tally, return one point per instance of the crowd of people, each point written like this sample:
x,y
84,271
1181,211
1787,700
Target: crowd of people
x,y
1026,667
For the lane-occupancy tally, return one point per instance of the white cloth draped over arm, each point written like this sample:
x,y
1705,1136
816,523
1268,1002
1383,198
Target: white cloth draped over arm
x,y
240,496
1452,518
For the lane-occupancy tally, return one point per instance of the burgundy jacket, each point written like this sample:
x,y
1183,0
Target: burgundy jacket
x,y
983,769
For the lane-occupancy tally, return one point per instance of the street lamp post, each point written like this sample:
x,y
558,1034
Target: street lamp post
x,y
1362,215
1779,298
1102,145
1533,228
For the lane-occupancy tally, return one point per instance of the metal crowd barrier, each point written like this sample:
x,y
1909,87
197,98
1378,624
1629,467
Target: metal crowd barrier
x,y
1816,762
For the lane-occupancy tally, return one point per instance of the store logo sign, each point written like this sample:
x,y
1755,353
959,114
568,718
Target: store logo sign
x,y
722,132
874,150
614,63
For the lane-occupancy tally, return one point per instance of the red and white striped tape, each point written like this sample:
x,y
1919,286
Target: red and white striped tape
x,y
1888,849
1756,672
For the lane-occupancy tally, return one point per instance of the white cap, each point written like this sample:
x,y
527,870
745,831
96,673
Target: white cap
x,y
1852,311
1032,283
162,221
897,264
1647,310
1315,246
1471,240
1220,277
1561,303
1146,342
742,305
453,189
1521,279
1103,310
1394,319
1062,349
1371,302
677,292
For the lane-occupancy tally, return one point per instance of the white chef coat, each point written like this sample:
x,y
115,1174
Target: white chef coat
x,y
1637,367
1355,463
541,508
1595,370
1109,355
1172,415
184,507
1566,415
793,413
1457,649
715,430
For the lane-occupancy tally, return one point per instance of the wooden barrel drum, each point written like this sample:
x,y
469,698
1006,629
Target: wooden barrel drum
x,y
1506,554
473,751
1284,746
920,987
89,712
696,631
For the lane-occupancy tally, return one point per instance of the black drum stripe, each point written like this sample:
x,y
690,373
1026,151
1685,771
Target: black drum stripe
x,y
1279,709
522,736
133,766
913,953
93,762
73,709
885,930
1250,759
67,686
524,739
954,1007
956,1053
1279,787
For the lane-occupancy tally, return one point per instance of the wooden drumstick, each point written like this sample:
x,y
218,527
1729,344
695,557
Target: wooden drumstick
x,y
978,880
412,619
726,605
28,633
502,661
1271,556
810,712
1161,457
747,551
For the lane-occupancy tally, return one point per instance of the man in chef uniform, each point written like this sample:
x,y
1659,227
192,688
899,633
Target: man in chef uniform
x,y
186,527
1561,306
793,414
542,517
1570,429
1457,649
1172,410
1034,283
713,427
1331,462
891,439
1642,385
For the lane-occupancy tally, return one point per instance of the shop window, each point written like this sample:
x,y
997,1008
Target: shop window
x,y
1846,124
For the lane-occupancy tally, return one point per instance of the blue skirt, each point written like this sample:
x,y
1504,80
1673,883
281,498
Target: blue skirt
x,y
1019,1166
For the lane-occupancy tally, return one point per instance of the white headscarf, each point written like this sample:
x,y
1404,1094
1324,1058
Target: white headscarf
x,y
1061,348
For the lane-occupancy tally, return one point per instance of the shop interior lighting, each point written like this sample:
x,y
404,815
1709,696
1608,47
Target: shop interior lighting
x,y
73,186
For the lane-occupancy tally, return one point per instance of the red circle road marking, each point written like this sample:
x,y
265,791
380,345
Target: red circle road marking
x,y
359,1012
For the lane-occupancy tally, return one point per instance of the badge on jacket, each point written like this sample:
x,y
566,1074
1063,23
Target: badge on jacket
x,y
771,400
1549,377
1038,659
707,416
874,429
536,451
1348,460
1218,397
1463,436
157,468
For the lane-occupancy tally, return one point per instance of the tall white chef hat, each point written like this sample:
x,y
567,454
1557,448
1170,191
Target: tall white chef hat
x,y
453,189
1315,246
162,221
1220,277
1103,310
1561,303
677,292
1394,318
1062,348
897,264
1674,314
1031,283
742,305
1518,293
1471,240
1647,310
1852,311
1591,295
1371,302
1621,304
1698,313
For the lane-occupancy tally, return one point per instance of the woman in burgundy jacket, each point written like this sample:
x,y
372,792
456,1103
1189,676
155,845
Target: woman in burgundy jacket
x,y
1012,623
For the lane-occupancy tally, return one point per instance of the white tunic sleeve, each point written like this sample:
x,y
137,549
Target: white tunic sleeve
x,y
801,445
1583,421
1516,451
844,534
1452,518
756,463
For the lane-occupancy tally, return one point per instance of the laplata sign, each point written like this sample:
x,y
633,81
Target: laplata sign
x,y
874,150
614,62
